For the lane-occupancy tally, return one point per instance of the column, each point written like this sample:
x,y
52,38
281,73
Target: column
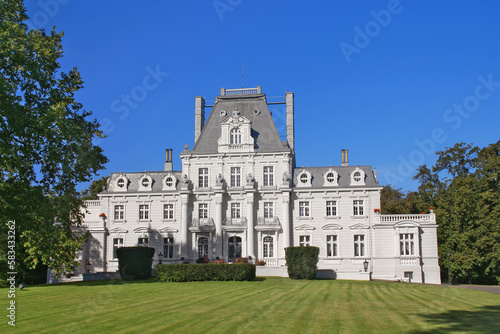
x,y
218,225
250,226
184,225
286,219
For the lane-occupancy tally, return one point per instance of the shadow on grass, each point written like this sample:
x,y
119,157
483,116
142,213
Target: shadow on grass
x,y
483,320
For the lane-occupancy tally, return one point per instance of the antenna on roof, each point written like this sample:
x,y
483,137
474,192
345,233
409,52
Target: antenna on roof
x,y
242,75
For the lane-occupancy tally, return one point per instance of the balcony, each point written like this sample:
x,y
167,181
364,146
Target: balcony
x,y
430,218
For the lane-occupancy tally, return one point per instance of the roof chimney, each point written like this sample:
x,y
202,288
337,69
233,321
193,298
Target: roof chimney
x,y
290,132
345,158
199,116
168,160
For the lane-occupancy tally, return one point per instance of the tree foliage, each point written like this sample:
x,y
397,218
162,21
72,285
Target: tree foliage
x,y
464,186
395,201
45,143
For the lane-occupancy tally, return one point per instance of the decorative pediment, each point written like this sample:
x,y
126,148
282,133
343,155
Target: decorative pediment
x,y
359,227
169,230
305,227
407,223
332,227
142,229
118,230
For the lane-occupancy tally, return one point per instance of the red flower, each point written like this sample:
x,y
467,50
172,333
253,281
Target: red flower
x,y
102,215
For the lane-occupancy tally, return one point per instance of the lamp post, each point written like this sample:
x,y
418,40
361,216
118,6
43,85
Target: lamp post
x,y
160,256
365,265
89,265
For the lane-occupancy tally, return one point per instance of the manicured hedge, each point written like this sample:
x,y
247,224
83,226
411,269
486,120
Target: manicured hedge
x,y
135,262
204,272
302,262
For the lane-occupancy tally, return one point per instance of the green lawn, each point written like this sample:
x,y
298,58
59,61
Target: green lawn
x,y
267,305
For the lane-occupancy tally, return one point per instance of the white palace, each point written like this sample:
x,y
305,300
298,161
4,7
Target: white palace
x,y
239,194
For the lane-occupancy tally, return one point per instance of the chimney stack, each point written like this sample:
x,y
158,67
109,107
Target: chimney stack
x,y
345,158
199,117
168,160
290,132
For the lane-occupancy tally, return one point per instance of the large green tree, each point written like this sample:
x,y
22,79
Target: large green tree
x,y
464,186
46,144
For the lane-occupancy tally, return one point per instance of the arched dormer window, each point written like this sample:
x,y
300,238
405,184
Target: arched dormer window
x,y
169,182
235,136
330,178
304,179
146,182
357,177
121,183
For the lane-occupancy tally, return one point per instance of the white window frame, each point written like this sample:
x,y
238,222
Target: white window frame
x,y
268,176
143,211
143,242
304,240
235,136
235,210
331,208
119,212
358,207
268,246
332,245
168,211
202,210
203,177
359,245
168,247
406,244
304,209
203,248
235,176
268,209
117,244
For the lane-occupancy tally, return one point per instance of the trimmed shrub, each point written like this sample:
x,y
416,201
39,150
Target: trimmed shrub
x,y
205,272
302,262
241,260
135,262
203,260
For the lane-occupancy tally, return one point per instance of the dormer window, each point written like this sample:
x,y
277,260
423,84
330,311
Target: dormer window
x,y
304,179
120,183
357,177
235,136
169,181
145,182
330,178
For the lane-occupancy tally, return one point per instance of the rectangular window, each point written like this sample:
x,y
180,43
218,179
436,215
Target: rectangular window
x,y
304,209
143,242
408,275
268,246
235,176
331,208
359,245
203,210
117,243
143,211
331,245
304,240
268,176
406,244
357,207
168,248
168,211
203,177
119,212
268,209
235,210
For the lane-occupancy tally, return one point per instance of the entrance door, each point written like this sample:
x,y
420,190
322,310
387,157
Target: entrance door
x,y
234,248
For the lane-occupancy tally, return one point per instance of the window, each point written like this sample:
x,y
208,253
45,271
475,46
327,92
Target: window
x,y
330,177
202,247
268,246
268,176
359,245
331,208
304,240
408,275
169,181
235,136
331,245
203,177
406,243
203,210
357,176
117,243
357,207
304,209
121,183
235,210
168,211
303,178
235,177
119,212
268,209
143,211
168,248
145,182
142,242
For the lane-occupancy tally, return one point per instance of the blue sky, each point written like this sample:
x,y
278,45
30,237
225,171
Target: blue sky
x,y
392,81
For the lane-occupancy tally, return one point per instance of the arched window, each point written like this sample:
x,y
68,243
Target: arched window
x,y
202,247
235,136
268,246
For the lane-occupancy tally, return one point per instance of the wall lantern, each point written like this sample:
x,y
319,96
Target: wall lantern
x,y
365,265
89,265
160,256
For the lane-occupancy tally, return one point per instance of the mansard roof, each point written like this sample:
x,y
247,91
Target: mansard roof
x,y
254,108
344,176
134,178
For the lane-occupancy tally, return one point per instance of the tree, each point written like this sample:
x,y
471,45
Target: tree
x,y
395,201
464,187
45,144
95,187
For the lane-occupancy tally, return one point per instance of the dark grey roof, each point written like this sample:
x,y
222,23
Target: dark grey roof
x,y
264,132
134,178
344,173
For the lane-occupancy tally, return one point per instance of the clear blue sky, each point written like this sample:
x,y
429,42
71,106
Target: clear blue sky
x,y
392,81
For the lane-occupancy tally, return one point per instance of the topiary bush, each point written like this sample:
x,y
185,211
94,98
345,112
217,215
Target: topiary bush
x,y
302,262
204,272
135,262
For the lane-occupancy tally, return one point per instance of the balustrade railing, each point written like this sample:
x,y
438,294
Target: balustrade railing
x,y
92,203
416,217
